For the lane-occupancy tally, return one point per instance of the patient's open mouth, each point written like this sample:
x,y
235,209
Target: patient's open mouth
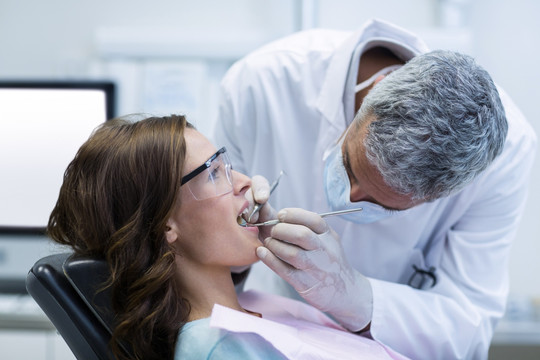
x,y
241,221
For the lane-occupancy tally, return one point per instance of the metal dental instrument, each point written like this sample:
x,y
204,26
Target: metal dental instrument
x,y
272,188
331,213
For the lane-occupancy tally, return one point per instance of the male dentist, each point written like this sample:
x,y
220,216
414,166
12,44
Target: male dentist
x,y
433,152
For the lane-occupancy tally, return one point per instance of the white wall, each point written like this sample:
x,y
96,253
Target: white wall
x,y
506,43
57,39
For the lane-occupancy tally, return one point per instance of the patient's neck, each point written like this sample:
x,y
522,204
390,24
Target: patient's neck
x,y
205,286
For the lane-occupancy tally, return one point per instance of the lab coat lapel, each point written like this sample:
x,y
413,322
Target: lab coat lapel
x,y
329,102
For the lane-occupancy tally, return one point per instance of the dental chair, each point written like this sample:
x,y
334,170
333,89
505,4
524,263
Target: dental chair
x,y
66,288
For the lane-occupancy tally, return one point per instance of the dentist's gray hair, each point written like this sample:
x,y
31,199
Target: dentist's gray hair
x,y
438,123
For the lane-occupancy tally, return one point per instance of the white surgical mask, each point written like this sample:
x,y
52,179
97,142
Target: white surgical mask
x,y
338,191
371,80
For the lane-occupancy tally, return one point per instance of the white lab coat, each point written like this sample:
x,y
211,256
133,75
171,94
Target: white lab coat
x,y
282,107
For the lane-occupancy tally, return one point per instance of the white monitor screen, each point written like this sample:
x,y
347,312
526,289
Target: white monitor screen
x,y
41,128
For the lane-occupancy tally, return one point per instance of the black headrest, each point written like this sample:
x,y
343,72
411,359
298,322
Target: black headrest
x,y
88,277
77,322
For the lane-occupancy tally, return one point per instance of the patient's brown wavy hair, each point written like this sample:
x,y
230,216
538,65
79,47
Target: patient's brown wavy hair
x,y
116,197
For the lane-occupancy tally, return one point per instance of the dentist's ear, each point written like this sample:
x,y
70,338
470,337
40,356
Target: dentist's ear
x,y
170,232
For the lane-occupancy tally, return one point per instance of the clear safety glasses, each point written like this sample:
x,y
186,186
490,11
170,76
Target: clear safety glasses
x,y
211,179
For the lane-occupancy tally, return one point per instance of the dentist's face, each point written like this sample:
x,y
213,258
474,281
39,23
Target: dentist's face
x,y
366,181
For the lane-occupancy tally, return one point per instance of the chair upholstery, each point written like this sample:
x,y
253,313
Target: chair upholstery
x,y
67,289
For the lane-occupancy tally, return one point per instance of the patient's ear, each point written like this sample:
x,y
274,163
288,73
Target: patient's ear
x,y
171,231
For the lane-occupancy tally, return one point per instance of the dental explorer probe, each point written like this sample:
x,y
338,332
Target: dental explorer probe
x,y
331,213
272,188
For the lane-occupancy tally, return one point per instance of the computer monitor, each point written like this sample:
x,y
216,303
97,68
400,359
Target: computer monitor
x,y
42,125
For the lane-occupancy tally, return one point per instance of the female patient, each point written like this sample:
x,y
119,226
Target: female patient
x,y
160,204
157,201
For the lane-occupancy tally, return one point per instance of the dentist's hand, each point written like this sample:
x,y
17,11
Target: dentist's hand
x,y
307,253
259,194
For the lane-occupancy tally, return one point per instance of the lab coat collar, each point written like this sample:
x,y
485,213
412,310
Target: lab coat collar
x,y
374,32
